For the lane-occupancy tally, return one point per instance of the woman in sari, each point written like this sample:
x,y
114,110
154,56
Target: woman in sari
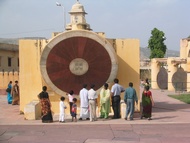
x,y
15,94
45,106
104,102
147,103
9,96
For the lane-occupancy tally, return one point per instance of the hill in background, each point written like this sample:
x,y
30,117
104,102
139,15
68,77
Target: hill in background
x,y
144,52
15,40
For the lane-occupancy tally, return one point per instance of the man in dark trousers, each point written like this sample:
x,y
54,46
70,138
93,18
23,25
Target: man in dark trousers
x,y
115,94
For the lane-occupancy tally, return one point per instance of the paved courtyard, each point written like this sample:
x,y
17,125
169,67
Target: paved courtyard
x,y
170,124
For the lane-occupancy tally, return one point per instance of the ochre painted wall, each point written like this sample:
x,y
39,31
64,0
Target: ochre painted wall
x,y
4,54
173,64
30,79
6,77
128,58
31,82
128,52
8,73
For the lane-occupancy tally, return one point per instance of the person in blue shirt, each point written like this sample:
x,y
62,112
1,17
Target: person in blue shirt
x,y
130,97
116,90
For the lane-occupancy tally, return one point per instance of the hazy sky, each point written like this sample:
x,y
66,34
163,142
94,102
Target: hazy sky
x,y
117,18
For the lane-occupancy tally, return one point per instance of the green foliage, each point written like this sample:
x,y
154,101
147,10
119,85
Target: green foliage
x,y
182,97
156,44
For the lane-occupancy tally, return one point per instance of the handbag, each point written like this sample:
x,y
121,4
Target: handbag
x,y
8,90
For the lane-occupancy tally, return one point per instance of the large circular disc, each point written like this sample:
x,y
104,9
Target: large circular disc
x,y
179,80
162,78
75,58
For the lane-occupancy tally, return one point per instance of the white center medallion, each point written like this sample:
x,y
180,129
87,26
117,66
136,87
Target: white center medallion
x,y
78,66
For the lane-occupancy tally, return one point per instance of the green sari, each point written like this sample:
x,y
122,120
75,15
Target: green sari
x,y
104,103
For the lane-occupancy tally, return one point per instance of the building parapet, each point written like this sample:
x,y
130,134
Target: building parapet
x,y
6,77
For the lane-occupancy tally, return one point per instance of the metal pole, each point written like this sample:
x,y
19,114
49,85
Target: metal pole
x,y
64,14
64,18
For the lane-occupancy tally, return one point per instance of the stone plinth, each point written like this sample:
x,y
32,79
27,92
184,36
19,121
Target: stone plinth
x,y
32,110
123,110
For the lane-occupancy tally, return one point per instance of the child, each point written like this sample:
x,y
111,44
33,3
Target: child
x,y
62,108
71,96
74,110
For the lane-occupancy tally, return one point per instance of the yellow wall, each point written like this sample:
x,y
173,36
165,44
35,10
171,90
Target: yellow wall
x,y
4,54
30,81
129,67
8,73
128,52
6,77
184,48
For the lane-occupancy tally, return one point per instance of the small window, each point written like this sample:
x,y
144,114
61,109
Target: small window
x,y
9,61
18,62
0,61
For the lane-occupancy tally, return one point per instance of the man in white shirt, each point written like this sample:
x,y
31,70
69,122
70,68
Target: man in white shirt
x,y
115,95
92,97
84,112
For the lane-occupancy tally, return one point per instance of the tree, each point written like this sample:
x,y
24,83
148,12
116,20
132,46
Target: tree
x,y
156,44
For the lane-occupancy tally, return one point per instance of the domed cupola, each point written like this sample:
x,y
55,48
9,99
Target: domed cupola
x,y
77,18
77,8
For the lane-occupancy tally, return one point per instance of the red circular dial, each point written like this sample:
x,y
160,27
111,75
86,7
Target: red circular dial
x,y
78,60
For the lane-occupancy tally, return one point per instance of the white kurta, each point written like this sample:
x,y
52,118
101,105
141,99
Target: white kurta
x,y
84,111
62,111
83,97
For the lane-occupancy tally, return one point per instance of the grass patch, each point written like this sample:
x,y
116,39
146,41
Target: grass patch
x,y
182,97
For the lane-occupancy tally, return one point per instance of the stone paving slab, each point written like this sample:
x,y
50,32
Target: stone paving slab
x,y
166,110
170,124
173,133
